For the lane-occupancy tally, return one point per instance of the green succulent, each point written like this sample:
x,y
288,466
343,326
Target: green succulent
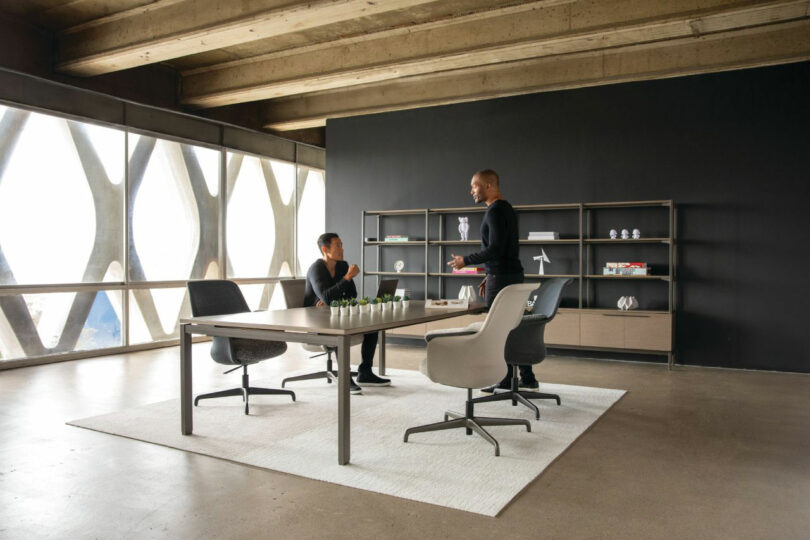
x,y
363,301
378,300
375,301
397,298
344,303
406,298
353,302
387,298
334,303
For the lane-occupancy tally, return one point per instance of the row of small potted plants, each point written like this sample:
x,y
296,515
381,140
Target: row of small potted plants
x,y
354,306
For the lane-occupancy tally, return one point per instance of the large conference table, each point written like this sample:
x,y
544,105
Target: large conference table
x,y
313,325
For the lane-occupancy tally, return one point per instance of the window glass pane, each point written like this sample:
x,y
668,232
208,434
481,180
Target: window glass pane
x,y
260,217
61,200
311,215
264,296
174,209
155,314
53,323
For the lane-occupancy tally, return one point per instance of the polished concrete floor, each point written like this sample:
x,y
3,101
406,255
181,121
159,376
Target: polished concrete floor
x,y
691,453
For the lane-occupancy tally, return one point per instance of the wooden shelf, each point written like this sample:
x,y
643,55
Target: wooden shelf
x,y
411,212
627,204
455,242
408,243
626,241
420,274
450,274
600,276
541,276
572,241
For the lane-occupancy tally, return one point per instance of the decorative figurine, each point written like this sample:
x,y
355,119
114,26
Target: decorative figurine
x,y
625,234
636,234
399,265
463,227
542,258
467,292
613,234
626,303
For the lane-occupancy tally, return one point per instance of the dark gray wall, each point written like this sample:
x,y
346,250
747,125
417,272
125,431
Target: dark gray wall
x,y
732,149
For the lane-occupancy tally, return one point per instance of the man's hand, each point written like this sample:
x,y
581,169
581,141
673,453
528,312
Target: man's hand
x,y
482,288
319,303
353,271
457,262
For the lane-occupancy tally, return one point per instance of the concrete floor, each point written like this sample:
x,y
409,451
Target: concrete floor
x,y
692,453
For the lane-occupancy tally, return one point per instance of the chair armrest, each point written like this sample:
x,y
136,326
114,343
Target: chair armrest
x,y
449,332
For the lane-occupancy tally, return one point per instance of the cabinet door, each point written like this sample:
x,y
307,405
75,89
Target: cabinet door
x,y
649,332
563,329
602,330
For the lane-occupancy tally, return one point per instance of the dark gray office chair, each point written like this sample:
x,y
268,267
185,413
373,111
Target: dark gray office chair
x,y
222,297
294,292
526,344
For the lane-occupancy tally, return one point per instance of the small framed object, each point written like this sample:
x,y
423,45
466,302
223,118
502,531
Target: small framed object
x,y
399,265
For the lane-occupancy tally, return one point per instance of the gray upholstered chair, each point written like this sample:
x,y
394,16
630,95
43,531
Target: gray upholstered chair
x,y
475,359
294,293
222,297
526,344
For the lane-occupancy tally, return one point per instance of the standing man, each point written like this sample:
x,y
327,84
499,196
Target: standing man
x,y
499,253
331,278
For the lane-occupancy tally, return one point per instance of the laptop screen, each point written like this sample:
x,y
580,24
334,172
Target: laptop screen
x,y
387,286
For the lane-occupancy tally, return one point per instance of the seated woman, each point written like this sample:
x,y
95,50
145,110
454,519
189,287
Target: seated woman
x,y
331,278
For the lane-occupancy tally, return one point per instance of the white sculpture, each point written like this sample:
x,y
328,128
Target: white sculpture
x,y
467,292
625,234
463,227
636,234
542,258
399,265
627,303
613,234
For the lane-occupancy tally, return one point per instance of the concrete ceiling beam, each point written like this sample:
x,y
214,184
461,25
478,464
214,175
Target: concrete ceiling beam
x,y
751,47
172,28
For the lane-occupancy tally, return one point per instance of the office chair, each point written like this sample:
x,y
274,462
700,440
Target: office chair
x,y
526,344
294,292
222,297
472,360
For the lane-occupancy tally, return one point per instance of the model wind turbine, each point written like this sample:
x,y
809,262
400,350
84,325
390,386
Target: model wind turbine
x,y
542,258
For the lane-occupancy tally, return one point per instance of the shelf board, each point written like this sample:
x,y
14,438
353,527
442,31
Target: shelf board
x,y
627,241
574,241
599,276
530,207
408,243
540,276
455,242
393,273
450,274
626,204
414,211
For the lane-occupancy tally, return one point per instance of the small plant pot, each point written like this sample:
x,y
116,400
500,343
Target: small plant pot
x,y
397,304
375,308
354,310
405,304
365,309
344,311
335,311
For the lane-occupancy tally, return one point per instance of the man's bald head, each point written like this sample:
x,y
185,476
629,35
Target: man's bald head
x,y
488,176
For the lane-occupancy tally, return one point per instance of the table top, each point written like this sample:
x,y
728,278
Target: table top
x,y
319,320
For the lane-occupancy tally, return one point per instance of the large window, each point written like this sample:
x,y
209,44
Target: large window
x,y
100,228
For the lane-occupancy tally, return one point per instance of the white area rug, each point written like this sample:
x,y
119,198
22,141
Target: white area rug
x,y
446,468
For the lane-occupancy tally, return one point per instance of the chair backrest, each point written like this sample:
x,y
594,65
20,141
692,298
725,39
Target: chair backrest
x,y
477,360
549,296
294,292
526,344
215,297
387,286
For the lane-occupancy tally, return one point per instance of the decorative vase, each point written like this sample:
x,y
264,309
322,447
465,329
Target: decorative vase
x,y
405,304
335,311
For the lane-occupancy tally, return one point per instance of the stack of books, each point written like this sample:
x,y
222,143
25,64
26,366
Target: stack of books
x,y
544,235
625,269
396,238
469,270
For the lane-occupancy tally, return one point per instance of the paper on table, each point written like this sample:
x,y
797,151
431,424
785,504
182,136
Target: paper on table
x,y
448,304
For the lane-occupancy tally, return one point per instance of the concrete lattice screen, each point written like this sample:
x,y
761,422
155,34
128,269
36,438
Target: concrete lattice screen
x,y
19,335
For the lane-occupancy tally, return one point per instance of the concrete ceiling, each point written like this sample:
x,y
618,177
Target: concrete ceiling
x,y
295,64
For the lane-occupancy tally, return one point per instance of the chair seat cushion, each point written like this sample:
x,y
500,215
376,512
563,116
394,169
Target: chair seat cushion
x,y
251,351
447,332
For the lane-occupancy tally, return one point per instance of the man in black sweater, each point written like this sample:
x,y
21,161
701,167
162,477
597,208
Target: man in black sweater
x,y
331,278
499,253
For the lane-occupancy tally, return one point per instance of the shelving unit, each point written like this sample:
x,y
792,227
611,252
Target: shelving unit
x,y
590,323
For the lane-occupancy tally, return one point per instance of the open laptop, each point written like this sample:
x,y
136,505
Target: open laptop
x,y
387,286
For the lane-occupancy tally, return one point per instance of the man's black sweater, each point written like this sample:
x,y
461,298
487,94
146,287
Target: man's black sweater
x,y
499,241
322,286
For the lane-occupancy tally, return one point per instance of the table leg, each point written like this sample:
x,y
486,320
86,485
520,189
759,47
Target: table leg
x,y
382,352
344,405
186,420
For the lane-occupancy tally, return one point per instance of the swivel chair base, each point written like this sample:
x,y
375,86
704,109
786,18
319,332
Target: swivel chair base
x,y
517,395
471,423
330,374
245,391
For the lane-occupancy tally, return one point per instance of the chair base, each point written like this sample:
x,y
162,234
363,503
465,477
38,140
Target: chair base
x,y
245,391
329,374
518,396
470,423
